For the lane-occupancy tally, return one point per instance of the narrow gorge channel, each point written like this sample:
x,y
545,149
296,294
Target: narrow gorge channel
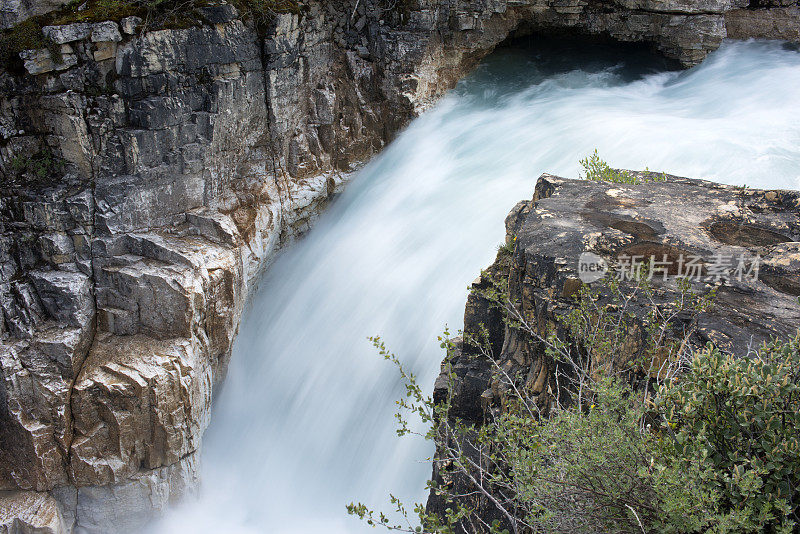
x,y
303,424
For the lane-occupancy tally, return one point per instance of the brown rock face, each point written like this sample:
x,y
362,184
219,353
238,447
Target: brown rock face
x,y
774,23
668,220
29,511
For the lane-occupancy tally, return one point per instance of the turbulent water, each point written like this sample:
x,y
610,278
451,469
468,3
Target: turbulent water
x,y
304,423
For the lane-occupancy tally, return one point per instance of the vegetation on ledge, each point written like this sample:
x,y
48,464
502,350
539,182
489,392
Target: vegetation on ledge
x,y
713,447
27,35
596,169
40,166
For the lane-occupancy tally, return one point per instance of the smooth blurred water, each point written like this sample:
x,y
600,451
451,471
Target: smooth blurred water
x,y
304,423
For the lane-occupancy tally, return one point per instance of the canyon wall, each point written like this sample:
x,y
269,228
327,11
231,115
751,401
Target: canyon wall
x,y
148,176
675,221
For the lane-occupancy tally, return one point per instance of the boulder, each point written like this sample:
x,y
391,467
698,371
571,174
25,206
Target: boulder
x,y
68,33
130,24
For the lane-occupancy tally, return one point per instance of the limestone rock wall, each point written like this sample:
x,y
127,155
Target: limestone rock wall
x,y
148,177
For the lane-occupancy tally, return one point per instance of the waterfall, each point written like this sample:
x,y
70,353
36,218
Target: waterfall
x,y
304,422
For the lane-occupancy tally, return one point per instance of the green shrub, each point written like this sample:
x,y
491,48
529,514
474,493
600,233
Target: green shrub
x,y
507,247
39,166
713,449
596,169
739,419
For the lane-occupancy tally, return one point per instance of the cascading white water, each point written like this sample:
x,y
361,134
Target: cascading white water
x,y
304,423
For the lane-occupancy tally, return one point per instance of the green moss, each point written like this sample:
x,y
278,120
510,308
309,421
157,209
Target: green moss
x,y
37,167
174,14
26,35
155,13
97,11
264,11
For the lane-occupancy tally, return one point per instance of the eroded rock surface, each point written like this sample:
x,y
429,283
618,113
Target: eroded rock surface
x,y
145,185
668,219
147,178
23,512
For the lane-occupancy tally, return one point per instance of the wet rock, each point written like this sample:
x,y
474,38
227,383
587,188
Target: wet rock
x,y
129,505
139,404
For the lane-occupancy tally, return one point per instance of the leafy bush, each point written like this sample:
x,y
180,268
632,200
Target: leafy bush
x,y
596,169
713,449
739,419
39,166
508,246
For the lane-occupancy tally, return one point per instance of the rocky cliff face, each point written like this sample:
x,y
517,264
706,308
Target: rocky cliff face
x,y
708,224
148,177
14,11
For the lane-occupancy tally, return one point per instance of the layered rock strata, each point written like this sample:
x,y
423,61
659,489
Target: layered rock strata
x,y
147,178
676,222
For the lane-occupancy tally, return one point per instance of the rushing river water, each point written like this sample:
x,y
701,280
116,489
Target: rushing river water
x,y
304,422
